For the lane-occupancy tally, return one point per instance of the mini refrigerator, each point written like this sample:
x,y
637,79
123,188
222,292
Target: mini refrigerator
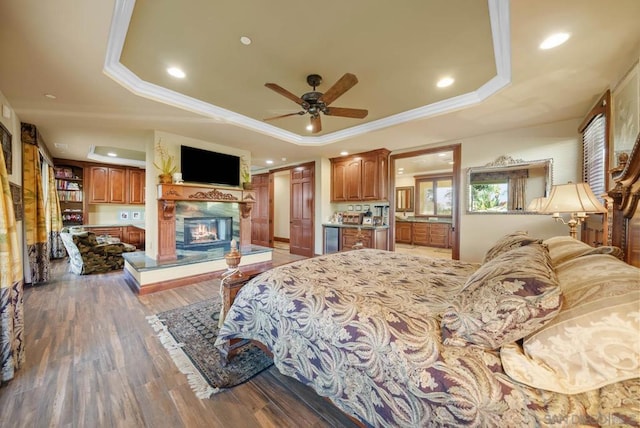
x,y
331,239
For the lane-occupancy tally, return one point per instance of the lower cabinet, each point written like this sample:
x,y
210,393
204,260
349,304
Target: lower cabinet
x,y
113,231
423,233
129,234
348,236
135,236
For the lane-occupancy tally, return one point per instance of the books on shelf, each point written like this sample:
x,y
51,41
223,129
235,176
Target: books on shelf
x,y
69,196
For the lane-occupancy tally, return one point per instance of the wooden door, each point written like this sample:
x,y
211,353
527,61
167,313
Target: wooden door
x,y
302,210
370,179
98,185
260,221
136,185
117,185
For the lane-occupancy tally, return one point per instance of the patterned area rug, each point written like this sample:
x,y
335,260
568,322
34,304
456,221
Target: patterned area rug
x,y
189,334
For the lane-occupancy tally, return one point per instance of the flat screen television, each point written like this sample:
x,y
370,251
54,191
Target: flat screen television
x,y
203,166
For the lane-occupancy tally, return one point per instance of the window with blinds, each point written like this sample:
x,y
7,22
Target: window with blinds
x,y
594,155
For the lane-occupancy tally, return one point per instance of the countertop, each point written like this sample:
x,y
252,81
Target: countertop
x,y
421,220
138,225
361,226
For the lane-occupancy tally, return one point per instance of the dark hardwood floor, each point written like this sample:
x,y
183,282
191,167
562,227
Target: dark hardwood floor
x,y
94,361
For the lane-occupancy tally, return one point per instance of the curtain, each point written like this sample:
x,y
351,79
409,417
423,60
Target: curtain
x,y
12,354
53,216
35,224
517,193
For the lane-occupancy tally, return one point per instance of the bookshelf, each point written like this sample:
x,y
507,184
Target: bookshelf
x,y
69,184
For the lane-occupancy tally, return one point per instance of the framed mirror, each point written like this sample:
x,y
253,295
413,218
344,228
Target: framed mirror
x,y
507,185
404,199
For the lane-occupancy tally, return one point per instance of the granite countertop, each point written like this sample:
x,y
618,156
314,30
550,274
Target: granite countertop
x,y
138,225
422,220
362,226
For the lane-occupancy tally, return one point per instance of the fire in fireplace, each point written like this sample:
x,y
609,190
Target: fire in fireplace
x,y
207,232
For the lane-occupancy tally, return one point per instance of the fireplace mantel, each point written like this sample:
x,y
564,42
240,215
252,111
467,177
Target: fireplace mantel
x,y
169,194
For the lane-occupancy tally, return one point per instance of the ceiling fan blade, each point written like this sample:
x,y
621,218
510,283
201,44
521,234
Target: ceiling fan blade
x,y
316,124
282,91
356,113
286,115
345,83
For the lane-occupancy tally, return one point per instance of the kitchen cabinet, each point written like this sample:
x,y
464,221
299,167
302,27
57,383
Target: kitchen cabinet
x,y
371,238
360,177
424,233
135,236
130,234
116,185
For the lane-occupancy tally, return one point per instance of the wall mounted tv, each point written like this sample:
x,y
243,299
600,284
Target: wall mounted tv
x,y
203,166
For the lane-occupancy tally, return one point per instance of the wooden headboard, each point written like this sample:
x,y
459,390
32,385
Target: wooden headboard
x,y
624,207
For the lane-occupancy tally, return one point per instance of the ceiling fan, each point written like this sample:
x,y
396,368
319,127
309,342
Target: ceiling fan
x,y
315,102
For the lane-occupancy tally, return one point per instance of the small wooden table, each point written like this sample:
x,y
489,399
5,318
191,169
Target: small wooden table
x,y
231,286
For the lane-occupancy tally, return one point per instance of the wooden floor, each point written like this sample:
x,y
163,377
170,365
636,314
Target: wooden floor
x,y
94,361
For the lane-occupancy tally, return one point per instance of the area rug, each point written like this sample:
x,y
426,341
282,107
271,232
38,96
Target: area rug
x,y
189,334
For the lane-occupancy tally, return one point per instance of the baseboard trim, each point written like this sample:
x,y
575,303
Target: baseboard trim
x,y
279,239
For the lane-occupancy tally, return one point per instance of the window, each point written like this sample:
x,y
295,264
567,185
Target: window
x,y
434,196
595,140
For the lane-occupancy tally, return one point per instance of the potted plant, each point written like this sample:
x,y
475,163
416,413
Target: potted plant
x,y
245,173
166,166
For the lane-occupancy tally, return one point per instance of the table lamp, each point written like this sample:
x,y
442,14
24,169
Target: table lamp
x,y
576,199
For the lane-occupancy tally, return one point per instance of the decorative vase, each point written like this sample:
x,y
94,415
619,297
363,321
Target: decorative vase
x,y
247,185
165,178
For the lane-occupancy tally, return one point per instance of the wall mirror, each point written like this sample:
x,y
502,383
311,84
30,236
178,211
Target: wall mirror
x,y
507,185
404,199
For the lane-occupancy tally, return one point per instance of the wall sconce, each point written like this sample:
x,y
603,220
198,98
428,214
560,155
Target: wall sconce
x,y
577,199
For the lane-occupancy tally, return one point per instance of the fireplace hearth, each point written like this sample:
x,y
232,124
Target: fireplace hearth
x,y
204,233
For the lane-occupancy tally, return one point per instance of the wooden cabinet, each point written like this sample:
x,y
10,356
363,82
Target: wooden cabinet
x,y
135,236
360,177
69,178
116,185
113,231
136,180
424,233
371,238
403,232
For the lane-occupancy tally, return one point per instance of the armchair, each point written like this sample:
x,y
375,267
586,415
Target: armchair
x,y
87,255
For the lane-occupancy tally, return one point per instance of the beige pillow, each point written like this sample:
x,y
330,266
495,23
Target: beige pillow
x,y
595,339
504,300
509,242
565,248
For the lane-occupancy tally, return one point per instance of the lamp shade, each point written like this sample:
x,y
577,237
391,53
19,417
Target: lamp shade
x,y
537,204
573,198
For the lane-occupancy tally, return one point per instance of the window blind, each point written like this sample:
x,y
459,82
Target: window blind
x,y
593,160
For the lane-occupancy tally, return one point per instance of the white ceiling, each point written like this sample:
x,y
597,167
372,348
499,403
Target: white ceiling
x,y
71,49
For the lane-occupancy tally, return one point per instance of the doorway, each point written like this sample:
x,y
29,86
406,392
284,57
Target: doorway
x,y
434,173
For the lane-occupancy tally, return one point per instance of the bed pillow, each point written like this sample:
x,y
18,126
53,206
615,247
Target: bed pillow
x,y
564,248
504,300
594,341
509,242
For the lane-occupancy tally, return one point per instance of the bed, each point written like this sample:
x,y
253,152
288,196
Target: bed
x,y
541,333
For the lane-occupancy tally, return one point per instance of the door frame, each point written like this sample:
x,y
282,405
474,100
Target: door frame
x,y
457,183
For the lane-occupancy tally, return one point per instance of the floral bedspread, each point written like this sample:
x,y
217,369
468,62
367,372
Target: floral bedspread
x,y
363,328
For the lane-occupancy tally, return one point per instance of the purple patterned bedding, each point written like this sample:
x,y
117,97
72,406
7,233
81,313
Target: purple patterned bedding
x,y
363,329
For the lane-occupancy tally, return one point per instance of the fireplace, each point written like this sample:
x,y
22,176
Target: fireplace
x,y
203,233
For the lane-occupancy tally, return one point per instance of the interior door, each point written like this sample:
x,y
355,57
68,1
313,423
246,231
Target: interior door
x,y
260,221
302,209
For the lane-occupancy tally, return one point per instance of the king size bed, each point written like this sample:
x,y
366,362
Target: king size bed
x,y
542,333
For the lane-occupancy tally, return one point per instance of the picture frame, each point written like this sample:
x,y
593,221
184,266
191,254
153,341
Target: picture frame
x,y
366,208
136,215
5,138
350,208
358,207
16,198
367,220
625,106
124,215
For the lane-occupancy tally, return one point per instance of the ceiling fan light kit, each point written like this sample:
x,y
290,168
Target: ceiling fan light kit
x,y
314,102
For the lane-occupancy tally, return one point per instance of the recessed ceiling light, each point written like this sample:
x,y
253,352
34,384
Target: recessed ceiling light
x,y
269,162
444,82
451,162
344,153
112,154
245,40
400,172
176,72
309,127
400,169
50,96
554,40
284,159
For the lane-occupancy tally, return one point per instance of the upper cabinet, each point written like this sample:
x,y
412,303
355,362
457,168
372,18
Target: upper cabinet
x,y
360,177
115,185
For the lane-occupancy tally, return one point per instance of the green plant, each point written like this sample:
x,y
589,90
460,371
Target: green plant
x,y
245,170
167,165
